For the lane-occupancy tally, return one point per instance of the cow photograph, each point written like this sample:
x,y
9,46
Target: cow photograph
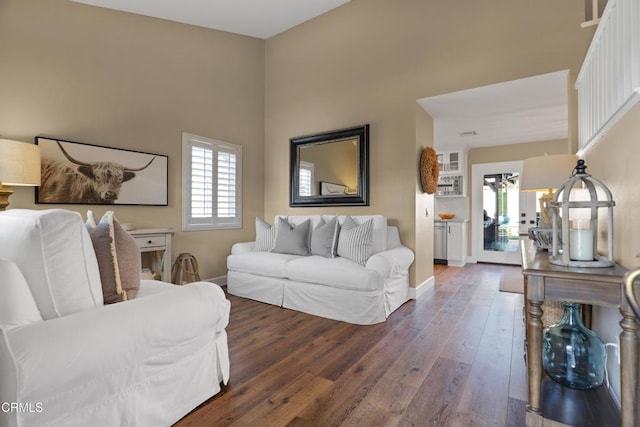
x,y
78,173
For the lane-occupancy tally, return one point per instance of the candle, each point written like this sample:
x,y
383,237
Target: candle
x,y
581,244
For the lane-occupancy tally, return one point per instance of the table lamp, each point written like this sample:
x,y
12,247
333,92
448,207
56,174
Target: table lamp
x,y
545,174
19,165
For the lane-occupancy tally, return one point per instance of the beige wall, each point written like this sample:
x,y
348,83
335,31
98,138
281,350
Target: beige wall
x,y
102,77
614,161
369,60
424,212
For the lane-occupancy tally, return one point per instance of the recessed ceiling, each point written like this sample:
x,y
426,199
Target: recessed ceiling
x,y
256,18
518,111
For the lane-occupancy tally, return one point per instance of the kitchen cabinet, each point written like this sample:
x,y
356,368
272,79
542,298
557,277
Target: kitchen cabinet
x,y
450,243
456,243
450,162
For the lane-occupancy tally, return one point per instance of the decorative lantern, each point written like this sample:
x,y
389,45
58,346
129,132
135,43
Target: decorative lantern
x,y
578,208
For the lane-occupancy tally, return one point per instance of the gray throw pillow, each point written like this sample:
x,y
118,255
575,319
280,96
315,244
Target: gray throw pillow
x,y
324,238
265,236
354,242
292,239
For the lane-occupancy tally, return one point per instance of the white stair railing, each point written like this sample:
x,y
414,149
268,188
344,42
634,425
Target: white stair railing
x,y
609,81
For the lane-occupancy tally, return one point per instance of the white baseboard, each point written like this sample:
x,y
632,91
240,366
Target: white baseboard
x,y
220,281
471,260
424,288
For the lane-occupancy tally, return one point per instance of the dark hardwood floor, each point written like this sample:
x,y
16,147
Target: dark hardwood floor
x,y
452,359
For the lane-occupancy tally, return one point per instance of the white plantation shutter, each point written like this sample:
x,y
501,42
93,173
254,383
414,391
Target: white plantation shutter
x,y
305,179
201,181
211,172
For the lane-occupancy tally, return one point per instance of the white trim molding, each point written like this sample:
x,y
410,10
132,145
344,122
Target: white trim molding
x,y
424,288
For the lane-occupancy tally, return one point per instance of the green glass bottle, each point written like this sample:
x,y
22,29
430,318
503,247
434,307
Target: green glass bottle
x,y
573,355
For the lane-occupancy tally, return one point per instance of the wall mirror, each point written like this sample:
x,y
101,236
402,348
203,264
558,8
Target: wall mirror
x,y
330,169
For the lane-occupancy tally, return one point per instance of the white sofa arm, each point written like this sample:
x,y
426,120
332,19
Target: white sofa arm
x,y
242,247
17,306
60,355
392,263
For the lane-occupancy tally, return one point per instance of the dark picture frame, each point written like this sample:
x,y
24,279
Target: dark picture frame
x,y
359,136
80,173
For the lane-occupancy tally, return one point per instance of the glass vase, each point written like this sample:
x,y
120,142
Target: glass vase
x,y
573,355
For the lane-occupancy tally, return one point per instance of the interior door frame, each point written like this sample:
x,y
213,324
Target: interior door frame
x,y
478,171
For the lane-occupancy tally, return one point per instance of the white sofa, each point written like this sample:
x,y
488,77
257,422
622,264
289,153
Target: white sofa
x,y
336,288
68,360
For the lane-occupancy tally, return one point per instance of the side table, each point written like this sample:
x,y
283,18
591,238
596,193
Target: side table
x,y
157,241
595,286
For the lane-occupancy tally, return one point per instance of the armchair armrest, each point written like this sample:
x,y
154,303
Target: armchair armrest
x,y
98,348
242,247
17,306
392,263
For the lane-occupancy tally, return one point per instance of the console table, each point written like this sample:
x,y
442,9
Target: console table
x,y
157,242
594,286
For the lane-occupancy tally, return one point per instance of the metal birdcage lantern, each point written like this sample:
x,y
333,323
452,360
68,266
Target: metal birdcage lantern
x,y
577,203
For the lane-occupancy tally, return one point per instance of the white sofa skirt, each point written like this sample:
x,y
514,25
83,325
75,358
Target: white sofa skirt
x,y
347,305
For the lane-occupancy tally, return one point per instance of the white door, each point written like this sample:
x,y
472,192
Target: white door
x,y
496,212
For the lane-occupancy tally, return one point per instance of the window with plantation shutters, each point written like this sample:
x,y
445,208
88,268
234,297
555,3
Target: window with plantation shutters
x,y
211,193
306,179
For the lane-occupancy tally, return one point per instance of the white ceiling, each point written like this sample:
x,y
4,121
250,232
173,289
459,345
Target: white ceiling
x,y
256,18
525,110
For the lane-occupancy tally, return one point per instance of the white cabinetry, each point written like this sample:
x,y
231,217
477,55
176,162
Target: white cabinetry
x,y
456,243
450,162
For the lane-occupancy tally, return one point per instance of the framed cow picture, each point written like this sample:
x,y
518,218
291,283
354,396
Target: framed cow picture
x,y
78,173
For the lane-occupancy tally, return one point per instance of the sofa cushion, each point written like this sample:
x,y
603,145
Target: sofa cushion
x,y
17,307
53,250
335,272
354,242
118,258
378,238
269,264
265,236
292,239
324,238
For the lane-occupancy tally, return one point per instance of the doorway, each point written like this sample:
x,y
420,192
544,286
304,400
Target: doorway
x,y
496,212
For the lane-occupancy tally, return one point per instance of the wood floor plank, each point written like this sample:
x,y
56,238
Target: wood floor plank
x,y
485,396
439,395
452,359
284,404
465,339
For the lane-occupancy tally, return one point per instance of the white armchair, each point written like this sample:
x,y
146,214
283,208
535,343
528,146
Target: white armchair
x,y
147,361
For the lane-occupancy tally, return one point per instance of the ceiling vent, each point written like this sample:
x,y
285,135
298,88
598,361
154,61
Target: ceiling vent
x,y
468,133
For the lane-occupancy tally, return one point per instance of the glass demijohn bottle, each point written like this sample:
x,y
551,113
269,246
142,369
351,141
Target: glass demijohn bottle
x,y
573,355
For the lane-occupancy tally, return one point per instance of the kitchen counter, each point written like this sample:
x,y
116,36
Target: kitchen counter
x,y
451,220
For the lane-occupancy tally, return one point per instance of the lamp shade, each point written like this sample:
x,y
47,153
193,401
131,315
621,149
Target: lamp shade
x,y
546,172
19,163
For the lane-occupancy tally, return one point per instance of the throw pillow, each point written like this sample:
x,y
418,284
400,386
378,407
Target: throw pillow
x,y
118,257
292,239
265,236
354,242
324,238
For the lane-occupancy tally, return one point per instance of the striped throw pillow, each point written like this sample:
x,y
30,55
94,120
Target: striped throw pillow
x,y
265,236
354,242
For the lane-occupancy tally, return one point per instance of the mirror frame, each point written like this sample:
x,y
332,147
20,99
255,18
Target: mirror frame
x,y
361,198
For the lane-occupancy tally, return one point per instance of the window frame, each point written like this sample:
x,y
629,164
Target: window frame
x,y
311,168
213,222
